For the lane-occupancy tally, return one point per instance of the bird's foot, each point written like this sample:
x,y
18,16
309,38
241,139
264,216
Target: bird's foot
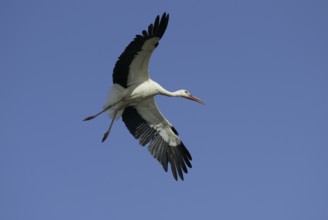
x,y
105,136
89,118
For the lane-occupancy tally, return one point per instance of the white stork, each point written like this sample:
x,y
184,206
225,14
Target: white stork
x,y
132,97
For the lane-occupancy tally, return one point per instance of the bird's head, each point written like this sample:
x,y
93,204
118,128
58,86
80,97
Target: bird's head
x,y
185,94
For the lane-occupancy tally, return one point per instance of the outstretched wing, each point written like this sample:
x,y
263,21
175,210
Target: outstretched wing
x,y
146,123
132,65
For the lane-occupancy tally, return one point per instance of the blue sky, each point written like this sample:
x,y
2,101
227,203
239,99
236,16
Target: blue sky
x,y
259,145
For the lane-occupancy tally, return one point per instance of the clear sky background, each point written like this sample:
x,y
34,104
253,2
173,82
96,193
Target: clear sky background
x,y
259,145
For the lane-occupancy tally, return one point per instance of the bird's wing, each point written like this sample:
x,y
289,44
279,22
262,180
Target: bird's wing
x,y
132,65
146,123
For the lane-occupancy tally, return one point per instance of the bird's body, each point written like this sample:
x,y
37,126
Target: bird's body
x,y
120,98
132,98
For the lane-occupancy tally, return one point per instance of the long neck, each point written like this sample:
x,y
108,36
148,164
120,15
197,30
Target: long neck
x,y
163,91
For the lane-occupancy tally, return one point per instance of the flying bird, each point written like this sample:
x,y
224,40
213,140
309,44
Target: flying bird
x,y
132,98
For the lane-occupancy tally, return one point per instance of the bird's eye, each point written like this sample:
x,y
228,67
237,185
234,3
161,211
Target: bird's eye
x,y
186,92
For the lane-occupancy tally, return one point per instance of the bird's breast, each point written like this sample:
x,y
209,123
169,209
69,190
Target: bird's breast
x,y
141,91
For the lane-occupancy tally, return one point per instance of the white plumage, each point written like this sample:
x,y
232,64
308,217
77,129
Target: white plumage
x,y
132,97
116,94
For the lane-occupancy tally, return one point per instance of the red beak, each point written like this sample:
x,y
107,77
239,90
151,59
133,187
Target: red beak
x,y
191,97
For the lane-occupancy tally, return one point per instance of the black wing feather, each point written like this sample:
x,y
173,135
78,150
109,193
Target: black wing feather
x,y
121,69
178,156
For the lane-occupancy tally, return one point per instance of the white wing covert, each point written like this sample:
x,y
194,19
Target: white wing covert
x,y
146,123
132,65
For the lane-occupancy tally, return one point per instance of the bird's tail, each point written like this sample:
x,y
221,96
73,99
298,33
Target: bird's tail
x,y
116,94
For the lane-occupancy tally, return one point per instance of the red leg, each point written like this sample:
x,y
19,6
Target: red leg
x,y
110,127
